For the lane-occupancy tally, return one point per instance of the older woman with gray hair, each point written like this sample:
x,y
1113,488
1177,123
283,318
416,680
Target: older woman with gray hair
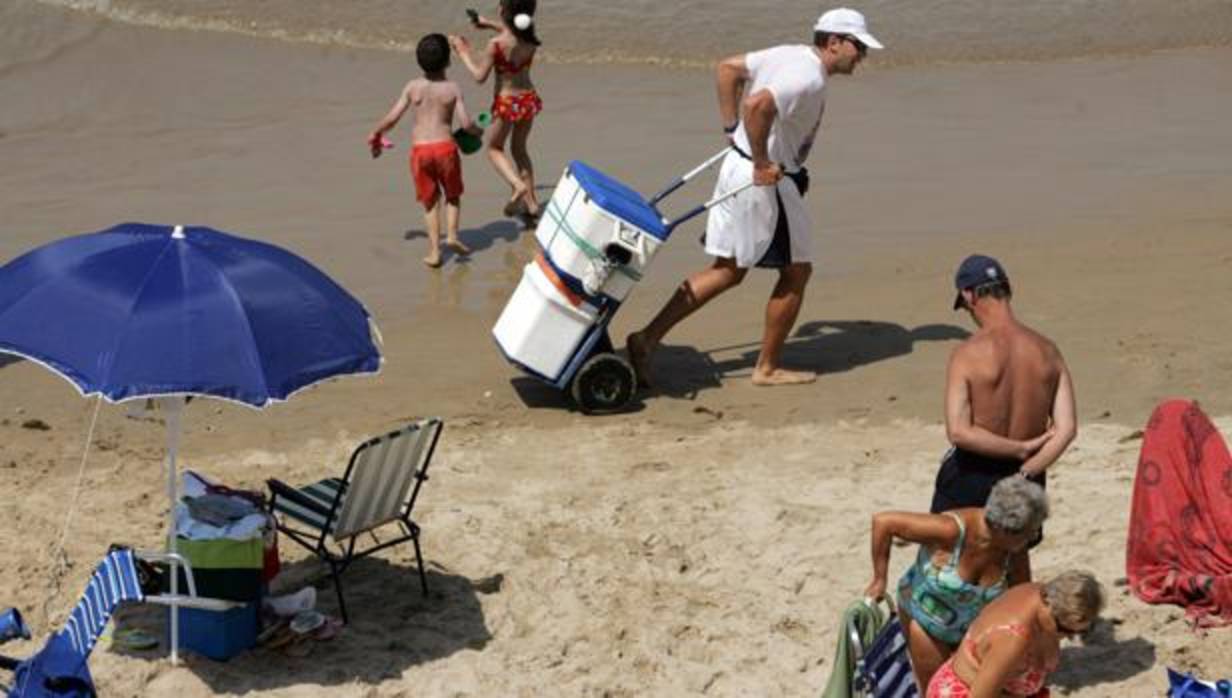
x,y
965,561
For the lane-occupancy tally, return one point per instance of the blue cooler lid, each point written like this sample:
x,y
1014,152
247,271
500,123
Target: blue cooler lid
x,y
618,200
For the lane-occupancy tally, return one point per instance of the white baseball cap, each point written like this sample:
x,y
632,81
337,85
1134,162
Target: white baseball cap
x,y
844,20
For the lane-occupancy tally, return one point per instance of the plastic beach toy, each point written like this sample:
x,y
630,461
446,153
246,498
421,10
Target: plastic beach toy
x,y
383,141
469,142
12,627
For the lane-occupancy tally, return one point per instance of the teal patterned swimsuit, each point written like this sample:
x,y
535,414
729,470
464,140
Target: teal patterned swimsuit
x,y
939,599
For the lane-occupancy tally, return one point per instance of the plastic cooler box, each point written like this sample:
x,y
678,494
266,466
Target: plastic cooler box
x,y
597,237
541,328
219,635
599,232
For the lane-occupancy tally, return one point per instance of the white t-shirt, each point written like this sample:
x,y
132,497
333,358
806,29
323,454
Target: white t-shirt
x,y
796,78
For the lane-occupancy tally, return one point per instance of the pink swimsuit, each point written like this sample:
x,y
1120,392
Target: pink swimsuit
x,y
1029,682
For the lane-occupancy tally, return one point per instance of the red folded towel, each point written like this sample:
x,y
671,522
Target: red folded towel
x,y
1180,530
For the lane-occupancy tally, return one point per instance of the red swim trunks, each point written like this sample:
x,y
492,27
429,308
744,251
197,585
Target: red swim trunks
x,y
436,166
519,107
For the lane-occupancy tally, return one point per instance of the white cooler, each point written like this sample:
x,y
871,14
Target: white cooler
x,y
597,238
599,232
540,328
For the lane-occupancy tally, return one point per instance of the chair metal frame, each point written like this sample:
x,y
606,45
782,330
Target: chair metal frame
x,y
317,542
191,600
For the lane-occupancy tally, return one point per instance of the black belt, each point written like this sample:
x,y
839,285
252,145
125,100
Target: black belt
x,y
800,177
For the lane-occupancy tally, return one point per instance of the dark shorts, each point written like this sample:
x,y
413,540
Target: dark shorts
x,y
778,255
966,479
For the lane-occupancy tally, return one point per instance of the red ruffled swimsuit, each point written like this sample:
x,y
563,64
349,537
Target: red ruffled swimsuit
x,y
1029,682
522,106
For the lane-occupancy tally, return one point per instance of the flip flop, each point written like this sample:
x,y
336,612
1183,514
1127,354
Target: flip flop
x,y
329,630
134,639
307,621
299,649
282,638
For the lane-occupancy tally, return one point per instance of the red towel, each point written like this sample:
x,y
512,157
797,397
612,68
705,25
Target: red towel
x,y
1180,531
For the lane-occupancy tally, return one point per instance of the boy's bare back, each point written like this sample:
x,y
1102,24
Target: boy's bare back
x,y
435,103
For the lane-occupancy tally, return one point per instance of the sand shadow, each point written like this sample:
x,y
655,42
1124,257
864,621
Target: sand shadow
x,y
390,618
539,395
9,359
478,239
1103,659
824,346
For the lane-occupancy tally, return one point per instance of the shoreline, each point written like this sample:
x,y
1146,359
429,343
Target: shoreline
x,y
355,29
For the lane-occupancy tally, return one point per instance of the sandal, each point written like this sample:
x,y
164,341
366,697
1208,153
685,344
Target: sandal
x,y
328,630
134,639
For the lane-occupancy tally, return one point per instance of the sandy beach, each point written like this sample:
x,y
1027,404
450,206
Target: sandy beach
x,y
706,542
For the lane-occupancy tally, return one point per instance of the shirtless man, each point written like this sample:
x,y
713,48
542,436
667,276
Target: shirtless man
x,y
436,167
1009,401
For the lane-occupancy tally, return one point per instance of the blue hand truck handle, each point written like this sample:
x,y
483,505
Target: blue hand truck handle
x,y
702,208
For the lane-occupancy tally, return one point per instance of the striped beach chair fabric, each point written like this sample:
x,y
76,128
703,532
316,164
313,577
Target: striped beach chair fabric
x,y
60,668
884,670
114,581
380,487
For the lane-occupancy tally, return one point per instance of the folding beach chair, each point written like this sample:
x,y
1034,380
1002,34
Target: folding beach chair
x,y
870,658
375,490
60,668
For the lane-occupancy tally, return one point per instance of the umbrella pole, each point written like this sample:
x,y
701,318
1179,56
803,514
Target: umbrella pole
x,y
173,408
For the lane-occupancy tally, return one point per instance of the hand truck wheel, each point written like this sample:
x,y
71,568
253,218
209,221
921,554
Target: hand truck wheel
x,y
605,383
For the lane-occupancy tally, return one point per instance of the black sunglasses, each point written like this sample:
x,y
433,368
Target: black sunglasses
x,y
861,47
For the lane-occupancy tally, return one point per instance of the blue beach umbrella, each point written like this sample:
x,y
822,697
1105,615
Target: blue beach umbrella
x,y
139,311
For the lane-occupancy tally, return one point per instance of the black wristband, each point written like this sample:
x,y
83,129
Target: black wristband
x,y
731,129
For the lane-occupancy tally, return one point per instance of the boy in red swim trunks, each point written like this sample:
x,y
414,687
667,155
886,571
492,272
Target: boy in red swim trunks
x,y
435,164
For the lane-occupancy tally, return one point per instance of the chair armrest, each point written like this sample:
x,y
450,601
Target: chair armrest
x,y
190,600
199,602
278,488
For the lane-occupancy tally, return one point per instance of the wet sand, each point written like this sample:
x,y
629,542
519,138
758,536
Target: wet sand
x,y
692,545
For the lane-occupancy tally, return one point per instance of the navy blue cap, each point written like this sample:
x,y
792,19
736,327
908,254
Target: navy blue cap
x,y
977,270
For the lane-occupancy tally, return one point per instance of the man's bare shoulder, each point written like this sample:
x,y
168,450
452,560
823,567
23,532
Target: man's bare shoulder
x,y
979,344
970,354
1046,347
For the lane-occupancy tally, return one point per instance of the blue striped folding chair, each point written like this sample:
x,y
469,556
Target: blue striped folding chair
x,y
60,669
380,487
884,669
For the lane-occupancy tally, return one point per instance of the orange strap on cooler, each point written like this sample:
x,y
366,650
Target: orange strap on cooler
x,y
574,299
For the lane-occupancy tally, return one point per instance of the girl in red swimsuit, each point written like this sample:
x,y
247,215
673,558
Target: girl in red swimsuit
x,y
1015,643
509,54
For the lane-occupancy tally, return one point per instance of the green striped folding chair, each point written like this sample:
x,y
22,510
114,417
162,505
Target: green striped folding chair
x,y
380,487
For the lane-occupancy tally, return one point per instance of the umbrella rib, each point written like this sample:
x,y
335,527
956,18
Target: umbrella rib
x,y
106,374
41,360
303,265
252,335
307,266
